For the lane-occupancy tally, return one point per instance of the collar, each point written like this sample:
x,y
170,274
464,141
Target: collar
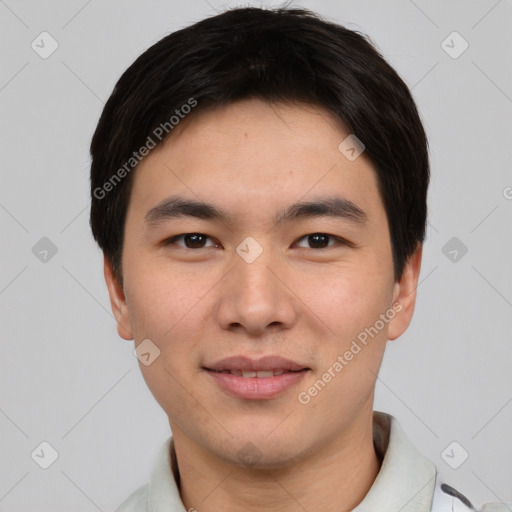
x,y
405,483
406,480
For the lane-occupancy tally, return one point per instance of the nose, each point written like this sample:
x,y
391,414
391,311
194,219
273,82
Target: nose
x,y
256,296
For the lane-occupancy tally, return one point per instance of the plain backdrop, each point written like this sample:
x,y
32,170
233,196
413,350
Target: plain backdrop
x,y
68,380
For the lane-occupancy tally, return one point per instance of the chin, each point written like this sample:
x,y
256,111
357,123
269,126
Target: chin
x,y
262,449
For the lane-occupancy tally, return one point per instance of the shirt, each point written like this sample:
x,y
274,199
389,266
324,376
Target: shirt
x,y
406,482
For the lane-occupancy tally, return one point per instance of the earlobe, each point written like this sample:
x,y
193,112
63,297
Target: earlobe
x,y
117,301
404,295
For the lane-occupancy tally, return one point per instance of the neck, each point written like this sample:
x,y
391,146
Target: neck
x,y
334,478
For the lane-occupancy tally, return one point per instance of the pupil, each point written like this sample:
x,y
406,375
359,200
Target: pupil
x,y
314,240
194,240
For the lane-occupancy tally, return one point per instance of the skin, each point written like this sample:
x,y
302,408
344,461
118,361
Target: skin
x,y
305,303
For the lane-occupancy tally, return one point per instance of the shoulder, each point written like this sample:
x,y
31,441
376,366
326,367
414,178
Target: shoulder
x,y
136,502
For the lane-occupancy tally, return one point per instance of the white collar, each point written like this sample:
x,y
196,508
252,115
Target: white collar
x,y
406,479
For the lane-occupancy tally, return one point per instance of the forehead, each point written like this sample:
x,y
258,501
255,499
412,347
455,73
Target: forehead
x,y
262,127
252,155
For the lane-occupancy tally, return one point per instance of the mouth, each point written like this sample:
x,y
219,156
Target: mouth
x,y
250,374
256,379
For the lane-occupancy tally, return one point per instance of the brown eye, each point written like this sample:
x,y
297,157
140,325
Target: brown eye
x,y
190,240
319,240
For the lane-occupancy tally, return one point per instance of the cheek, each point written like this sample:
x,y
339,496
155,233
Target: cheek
x,y
172,309
166,309
347,299
351,306
160,301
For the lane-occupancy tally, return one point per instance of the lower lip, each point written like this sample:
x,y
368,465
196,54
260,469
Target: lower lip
x,y
256,388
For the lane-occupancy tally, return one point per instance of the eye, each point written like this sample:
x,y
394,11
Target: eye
x,y
321,240
190,240
199,241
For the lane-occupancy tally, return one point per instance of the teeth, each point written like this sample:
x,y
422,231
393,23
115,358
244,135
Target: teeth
x,y
264,374
260,374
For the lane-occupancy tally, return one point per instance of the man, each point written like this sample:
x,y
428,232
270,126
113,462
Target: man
x,y
259,184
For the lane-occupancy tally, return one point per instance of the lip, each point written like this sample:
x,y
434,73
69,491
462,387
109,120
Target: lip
x,y
256,388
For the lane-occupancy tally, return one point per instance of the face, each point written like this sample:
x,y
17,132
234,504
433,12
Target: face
x,y
284,268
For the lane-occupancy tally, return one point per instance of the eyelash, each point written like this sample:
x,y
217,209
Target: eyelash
x,y
341,241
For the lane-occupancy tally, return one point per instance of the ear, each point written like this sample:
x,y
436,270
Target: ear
x,y
404,295
117,301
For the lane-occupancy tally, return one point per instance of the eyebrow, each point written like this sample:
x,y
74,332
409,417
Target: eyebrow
x,y
176,206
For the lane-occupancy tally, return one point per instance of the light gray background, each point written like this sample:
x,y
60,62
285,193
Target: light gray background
x,y
66,377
